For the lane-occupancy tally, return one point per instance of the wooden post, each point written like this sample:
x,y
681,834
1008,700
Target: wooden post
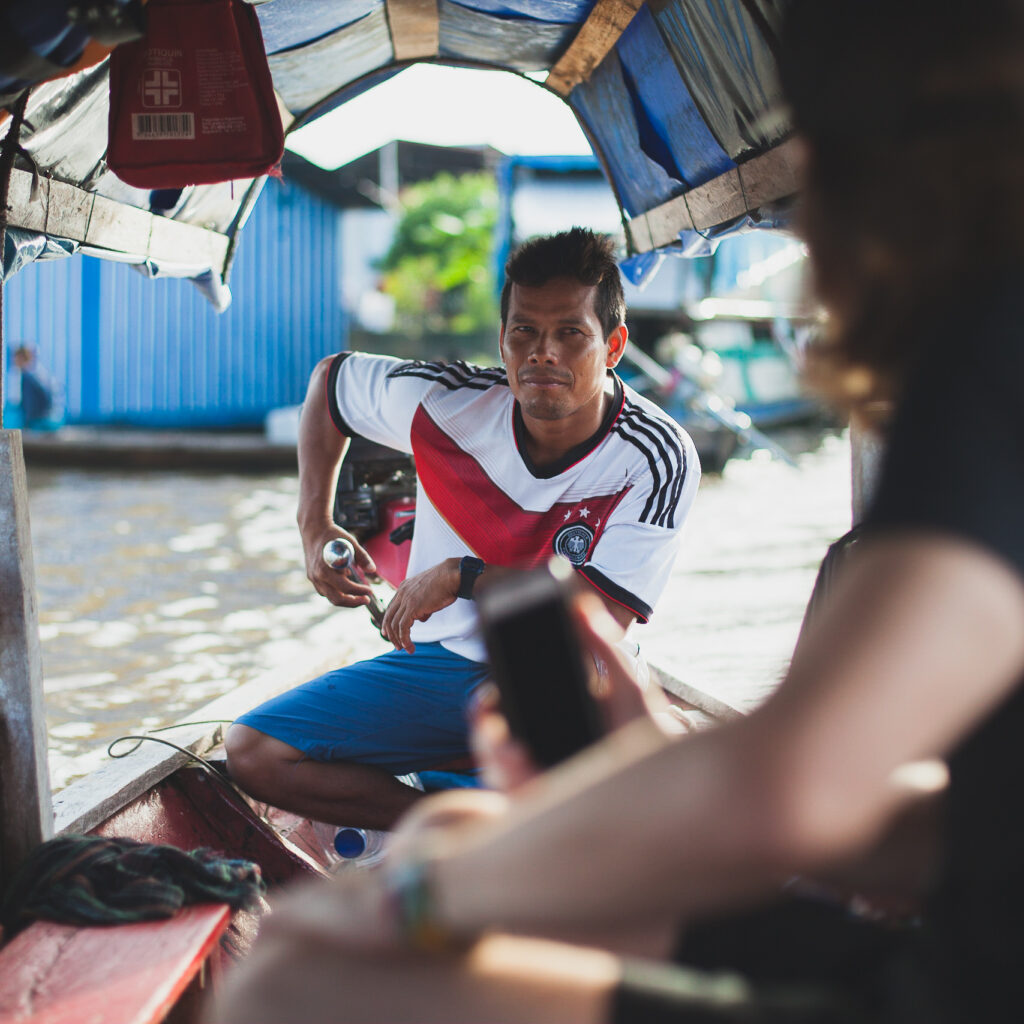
x,y
866,451
26,811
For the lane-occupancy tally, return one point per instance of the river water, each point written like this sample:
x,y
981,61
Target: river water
x,y
159,591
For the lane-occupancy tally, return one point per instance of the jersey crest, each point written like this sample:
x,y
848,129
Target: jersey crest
x,y
573,542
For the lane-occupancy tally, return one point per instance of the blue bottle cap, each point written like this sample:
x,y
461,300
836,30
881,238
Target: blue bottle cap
x,y
349,842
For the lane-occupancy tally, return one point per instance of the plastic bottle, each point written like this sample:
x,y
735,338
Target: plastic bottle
x,y
325,840
348,846
360,845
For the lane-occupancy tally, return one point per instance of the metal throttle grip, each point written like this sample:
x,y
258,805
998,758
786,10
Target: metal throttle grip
x,y
341,556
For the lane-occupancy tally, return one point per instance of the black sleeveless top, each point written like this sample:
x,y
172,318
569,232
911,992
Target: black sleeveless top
x,y
955,463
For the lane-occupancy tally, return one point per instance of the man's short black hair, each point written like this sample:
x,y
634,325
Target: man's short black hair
x,y
579,253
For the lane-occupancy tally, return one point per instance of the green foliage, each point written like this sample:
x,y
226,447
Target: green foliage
x,y
439,268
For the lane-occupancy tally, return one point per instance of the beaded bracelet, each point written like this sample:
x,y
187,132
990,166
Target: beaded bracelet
x,y
412,901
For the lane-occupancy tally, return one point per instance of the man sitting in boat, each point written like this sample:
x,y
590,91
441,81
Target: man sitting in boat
x,y
548,454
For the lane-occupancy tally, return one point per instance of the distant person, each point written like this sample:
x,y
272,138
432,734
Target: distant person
x,y
911,119
38,406
548,454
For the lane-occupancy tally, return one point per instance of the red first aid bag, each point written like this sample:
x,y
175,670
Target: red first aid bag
x,y
192,103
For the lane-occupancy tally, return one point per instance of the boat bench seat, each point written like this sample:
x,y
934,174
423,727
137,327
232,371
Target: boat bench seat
x,y
120,974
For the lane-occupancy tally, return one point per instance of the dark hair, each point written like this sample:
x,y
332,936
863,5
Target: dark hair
x,y
914,115
579,253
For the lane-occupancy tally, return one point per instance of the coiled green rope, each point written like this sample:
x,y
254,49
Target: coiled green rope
x,y
97,880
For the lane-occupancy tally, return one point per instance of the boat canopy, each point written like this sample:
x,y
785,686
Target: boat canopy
x,y
678,98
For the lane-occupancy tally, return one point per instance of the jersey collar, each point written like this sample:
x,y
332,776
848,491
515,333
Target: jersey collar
x,y
574,455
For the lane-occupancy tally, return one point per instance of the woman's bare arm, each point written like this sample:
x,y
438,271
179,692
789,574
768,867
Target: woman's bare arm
x,y
925,636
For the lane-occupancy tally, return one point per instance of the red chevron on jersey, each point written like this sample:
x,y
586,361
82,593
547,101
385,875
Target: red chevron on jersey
x,y
613,506
498,529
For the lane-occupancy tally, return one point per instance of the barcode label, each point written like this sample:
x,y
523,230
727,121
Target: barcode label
x,y
163,126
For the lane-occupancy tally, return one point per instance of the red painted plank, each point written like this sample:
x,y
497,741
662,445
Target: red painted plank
x,y
127,974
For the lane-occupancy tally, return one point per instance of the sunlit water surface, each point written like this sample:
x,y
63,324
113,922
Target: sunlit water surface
x,y
160,591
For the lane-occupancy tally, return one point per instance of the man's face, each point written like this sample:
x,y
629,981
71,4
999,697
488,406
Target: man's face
x,y
555,351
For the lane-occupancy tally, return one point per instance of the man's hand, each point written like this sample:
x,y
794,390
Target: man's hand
x,y
417,599
337,585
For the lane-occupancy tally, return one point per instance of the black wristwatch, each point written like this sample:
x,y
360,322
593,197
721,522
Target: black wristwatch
x,y
469,569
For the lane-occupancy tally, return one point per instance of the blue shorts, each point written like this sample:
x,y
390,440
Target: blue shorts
x,y
399,711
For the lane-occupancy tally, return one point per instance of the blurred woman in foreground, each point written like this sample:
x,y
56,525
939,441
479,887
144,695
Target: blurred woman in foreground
x,y
912,118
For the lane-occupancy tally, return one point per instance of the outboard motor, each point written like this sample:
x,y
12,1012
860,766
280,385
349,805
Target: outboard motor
x,y
376,502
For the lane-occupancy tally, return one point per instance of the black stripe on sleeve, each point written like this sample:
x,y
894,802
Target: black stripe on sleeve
x,y
642,429
652,465
332,395
472,375
658,444
427,376
452,375
678,478
674,444
618,594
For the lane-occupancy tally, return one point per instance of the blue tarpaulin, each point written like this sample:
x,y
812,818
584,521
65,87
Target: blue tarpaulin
x,y
684,95
289,25
605,105
670,118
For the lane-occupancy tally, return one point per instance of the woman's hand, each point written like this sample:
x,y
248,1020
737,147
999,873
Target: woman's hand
x,y
613,675
506,763
353,910
437,824
356,910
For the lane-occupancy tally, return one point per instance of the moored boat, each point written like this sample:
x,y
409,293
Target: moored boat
x,y
613,61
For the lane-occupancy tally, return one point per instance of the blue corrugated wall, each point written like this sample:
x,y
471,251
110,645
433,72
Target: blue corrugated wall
x,y
128,350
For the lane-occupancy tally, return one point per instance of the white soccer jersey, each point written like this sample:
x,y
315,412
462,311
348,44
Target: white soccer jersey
x,y
614,506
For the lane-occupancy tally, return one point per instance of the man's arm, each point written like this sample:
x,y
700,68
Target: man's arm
x,y
420,596
321,448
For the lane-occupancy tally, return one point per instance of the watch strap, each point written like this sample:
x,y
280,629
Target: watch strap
x,y
469,569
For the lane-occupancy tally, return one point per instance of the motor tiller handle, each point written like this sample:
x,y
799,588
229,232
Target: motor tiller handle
x,y
341,556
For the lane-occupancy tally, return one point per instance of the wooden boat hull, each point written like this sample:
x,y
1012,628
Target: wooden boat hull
x,y
191,809
156,796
